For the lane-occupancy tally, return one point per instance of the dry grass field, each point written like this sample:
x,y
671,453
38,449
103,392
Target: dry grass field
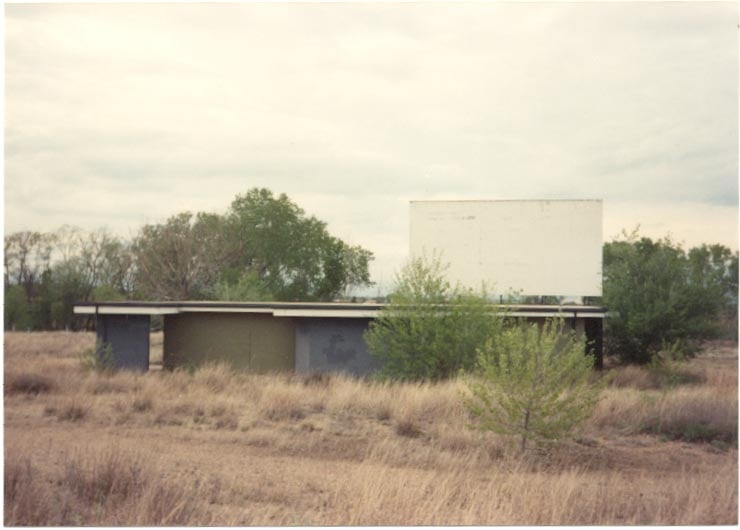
x,y
221,448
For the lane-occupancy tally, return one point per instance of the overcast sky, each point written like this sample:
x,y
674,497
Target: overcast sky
x,y
117,115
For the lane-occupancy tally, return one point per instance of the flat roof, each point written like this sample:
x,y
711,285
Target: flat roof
x,y
310,309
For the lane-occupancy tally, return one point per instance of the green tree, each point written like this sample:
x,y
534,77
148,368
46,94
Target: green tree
x,y
659,296
344,267
533,383
181,258
43,301
247,287
118,272
85,263
291,253
68,286
713,277
264,248
27,256
430,330
17,313
27,263
107,293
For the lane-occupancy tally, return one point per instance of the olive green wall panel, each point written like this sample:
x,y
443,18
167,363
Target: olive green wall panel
x,y
254,342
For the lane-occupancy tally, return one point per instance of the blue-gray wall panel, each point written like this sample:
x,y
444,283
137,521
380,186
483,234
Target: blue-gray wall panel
x,y
128,337
333,345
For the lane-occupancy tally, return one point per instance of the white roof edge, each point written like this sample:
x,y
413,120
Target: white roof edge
x,y
564,314
207,309
302,312
115,310
324,313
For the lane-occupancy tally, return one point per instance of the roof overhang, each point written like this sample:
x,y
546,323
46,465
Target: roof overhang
x,y
312,310
99,309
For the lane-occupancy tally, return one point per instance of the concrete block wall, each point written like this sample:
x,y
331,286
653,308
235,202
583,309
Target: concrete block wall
x,y
126,338
333,345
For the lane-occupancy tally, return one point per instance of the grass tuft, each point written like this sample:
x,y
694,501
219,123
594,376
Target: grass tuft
x,y
69,411
228,422
657,377
28,383
214,377
316,379
102,478
408,428
282,402
142,404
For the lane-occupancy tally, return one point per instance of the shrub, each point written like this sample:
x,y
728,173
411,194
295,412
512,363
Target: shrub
x,y
658,294
533,383
430,330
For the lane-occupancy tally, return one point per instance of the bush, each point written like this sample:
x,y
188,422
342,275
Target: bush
x,y
533,383
657,294
430,330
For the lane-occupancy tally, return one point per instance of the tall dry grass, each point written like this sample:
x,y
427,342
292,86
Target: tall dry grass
x,y
222,447
520,496
691,414
104,488
112,488
696,401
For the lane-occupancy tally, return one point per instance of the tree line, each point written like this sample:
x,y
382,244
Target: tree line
x,y
265,247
